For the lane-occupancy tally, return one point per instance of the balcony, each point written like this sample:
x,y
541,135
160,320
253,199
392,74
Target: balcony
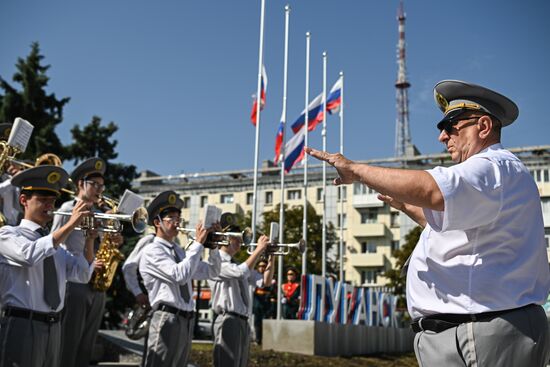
x,y
367,260
366,201
369,230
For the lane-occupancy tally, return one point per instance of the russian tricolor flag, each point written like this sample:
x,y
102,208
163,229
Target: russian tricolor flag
x,y
315,115
279,141
294,149
263,89
334,99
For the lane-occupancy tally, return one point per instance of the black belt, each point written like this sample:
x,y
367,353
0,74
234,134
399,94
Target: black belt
x,y
49,317
242,317
444,321
176,311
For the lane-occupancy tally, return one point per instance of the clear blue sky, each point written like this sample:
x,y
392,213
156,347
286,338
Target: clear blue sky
x,y
177,76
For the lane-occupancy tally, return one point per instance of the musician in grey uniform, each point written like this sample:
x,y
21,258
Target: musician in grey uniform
x,y
167,271
84,305
130,270
35,268
231,300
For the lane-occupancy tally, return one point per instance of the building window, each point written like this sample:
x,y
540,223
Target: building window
x,y
360,189
204,200
369,216
394,219
546,177
394,246
186,202
294,195
369,276
268,197
371,248
226,198
342,218
342,192
249,198
368,248
320,194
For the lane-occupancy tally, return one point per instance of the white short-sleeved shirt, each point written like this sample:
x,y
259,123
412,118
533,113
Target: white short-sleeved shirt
x,y
485,251
131,265
234,282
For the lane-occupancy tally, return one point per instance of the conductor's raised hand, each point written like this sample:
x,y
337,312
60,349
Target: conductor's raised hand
x,y
343,166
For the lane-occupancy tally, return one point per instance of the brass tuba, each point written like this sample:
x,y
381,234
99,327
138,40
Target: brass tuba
x,y
137,325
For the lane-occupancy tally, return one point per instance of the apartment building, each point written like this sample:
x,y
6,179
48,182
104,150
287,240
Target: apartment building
x,y
370,229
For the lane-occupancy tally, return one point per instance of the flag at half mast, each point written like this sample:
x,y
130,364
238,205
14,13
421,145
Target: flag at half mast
x,y
263,88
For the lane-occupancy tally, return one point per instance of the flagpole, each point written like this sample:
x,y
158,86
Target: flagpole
x,y
282,160
324,196
258,103
341,188
306,120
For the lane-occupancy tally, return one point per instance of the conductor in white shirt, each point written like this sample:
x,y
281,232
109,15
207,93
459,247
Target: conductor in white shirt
x,y
479,273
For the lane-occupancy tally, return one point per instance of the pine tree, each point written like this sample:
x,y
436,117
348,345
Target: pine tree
x,y
33,104
94,140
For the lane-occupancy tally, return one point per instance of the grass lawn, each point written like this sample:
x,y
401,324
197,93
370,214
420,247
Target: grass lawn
x,y
201,355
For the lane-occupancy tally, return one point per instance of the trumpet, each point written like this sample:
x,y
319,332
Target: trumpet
x,y
222,238
138,219
279,249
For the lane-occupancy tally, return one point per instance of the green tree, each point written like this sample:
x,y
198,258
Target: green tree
x,y
293,233
33,104
396,281
95,140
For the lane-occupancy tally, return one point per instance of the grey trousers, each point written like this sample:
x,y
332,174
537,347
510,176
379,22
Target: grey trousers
x,y
28,343
231,341
169,340
81,320
517,338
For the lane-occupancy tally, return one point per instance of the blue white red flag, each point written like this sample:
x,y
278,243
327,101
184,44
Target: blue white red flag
x,y
263,89
315,115
279,141
334,99
294,149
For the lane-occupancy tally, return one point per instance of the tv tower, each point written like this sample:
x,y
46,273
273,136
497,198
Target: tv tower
x,y
402,134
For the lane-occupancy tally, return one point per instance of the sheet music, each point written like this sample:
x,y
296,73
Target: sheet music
x,y
20,134
274,233
212,215
129,202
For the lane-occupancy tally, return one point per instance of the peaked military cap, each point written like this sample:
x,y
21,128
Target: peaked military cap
x,y
42,178
88,167
5,130
455,97
164,200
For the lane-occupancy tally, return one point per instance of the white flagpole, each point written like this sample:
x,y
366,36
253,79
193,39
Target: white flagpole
x,y
341,188
258,101
304,235
324,196
282,160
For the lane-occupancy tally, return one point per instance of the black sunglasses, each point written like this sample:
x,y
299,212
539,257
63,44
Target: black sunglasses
x,y
448,126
